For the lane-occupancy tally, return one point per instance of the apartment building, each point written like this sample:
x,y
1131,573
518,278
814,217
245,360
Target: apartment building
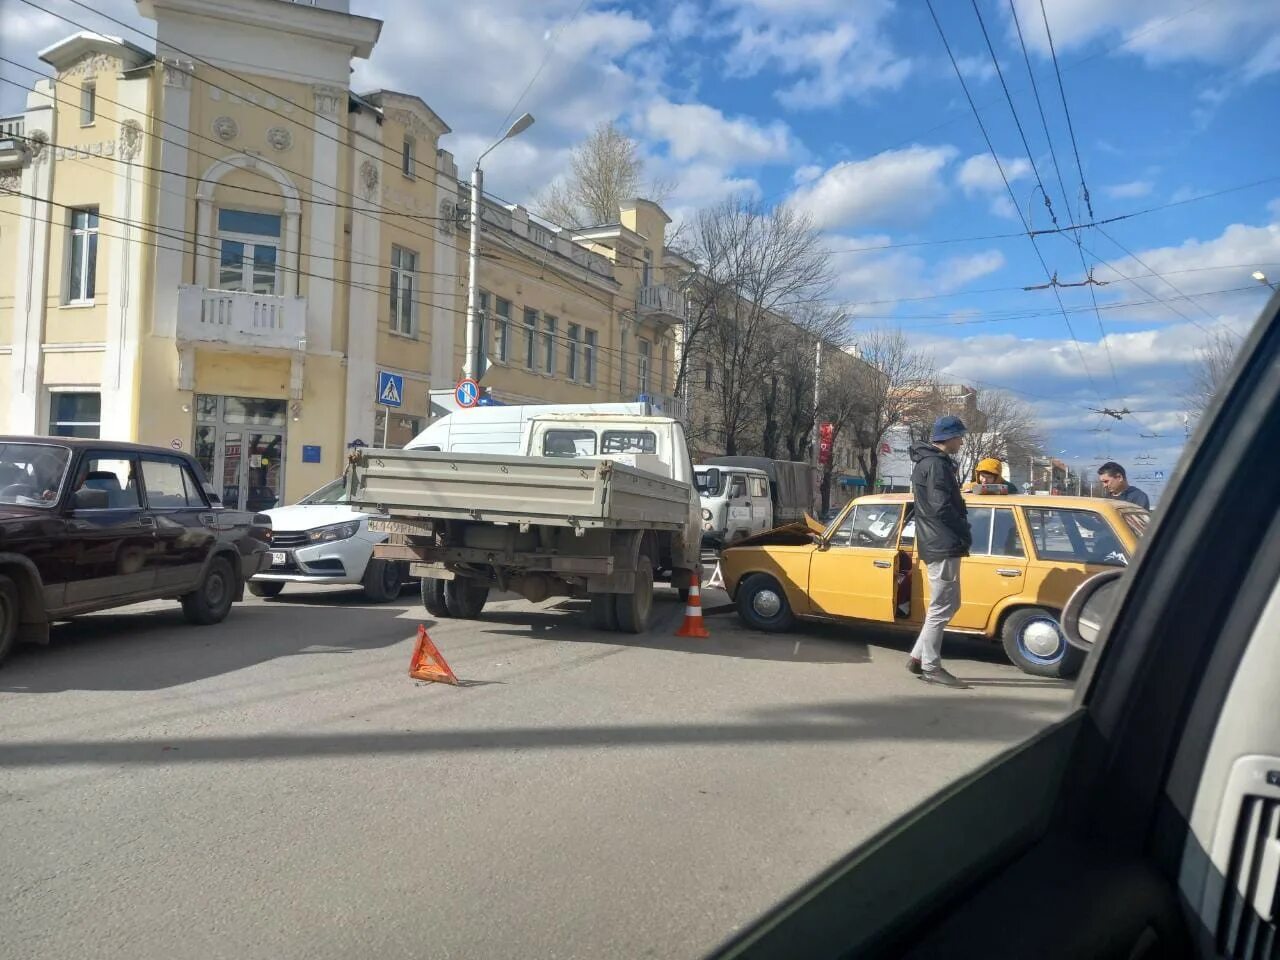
x,y
220,247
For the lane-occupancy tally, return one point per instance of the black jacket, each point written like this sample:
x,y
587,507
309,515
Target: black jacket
x,y
942,522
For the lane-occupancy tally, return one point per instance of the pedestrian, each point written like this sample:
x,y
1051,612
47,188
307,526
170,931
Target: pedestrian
x,y
942,538
1116,483
988,474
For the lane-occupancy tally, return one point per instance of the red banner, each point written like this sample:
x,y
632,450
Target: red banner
x,y
826,435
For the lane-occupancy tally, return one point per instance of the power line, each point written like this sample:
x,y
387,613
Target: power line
x,y
546,58
1014,110
1084,190
1000,167
1191,320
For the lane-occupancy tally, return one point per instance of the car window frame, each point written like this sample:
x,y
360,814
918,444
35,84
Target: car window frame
x,y
891,540
182,466
135,464
1073,534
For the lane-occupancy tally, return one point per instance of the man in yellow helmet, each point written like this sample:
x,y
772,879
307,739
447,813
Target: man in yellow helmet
x,y
987,473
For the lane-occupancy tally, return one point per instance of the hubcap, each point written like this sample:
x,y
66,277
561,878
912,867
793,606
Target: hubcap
x,y
1041,638
766,603
216,590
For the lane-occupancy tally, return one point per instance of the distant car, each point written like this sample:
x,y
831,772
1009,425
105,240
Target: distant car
x,y
87,525
1028,555
320,539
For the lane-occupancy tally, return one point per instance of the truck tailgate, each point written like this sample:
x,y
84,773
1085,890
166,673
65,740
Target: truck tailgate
x,y
513,489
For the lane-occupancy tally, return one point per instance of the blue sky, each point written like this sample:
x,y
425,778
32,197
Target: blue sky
x,y
850,109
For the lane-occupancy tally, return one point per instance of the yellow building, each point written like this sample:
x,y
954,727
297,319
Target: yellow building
x,y
224,249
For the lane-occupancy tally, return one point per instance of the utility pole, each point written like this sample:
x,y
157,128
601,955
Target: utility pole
x,y
473,253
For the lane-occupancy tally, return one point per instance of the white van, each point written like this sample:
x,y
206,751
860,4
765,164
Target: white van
x,y
735,503
501,429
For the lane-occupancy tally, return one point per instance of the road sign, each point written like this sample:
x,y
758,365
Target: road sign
x,y
1159,474
390,389
467,393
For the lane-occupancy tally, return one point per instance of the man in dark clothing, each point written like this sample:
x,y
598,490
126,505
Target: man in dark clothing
x,y
942,538
1116,482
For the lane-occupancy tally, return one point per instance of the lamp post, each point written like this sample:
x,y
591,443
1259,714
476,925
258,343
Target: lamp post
x,y
1262,278
473,259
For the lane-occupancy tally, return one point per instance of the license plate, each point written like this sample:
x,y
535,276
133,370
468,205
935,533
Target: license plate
x,y
419,527
279,559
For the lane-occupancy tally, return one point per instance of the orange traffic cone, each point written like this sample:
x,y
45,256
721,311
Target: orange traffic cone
x,y
693,625
427,663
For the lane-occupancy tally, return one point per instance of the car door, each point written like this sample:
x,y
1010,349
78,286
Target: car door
x,y
761,507
184,521
109,538
738,517
995,568
1129,829
854,573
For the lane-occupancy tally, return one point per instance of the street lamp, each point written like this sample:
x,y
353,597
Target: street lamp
x,y
522,124
1262,278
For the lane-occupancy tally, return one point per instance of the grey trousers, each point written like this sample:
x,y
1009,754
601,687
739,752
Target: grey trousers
x,y
944,601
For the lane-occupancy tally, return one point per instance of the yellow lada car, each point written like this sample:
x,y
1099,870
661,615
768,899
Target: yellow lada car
x,y
1029,553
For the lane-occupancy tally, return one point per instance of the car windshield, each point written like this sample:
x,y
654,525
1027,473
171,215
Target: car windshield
x,y
708,482
335,491
32,474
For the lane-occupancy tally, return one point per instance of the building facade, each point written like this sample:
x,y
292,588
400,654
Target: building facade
x,y
220,247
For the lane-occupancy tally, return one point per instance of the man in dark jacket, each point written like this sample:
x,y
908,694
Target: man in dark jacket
x,y
942,538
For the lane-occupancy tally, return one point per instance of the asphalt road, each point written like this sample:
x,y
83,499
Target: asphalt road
x,y
277,787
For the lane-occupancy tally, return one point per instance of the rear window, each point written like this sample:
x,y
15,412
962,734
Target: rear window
x,y
569,443
1076,536
629,441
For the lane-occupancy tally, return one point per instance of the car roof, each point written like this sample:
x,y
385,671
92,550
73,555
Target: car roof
x,y
120,446
1014,499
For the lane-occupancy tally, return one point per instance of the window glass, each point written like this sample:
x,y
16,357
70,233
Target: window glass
x,y
31,474
569,443
117,478
253,411
629,441
404,266
1077,536
1006,541
869,525
572,336
74,414
530,337
82,263
980,527
88,103
549,345
170,484
407,165
248,221
589,358
759,487
1137,521
737,486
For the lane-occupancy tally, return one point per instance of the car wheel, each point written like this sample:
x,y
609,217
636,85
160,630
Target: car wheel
x,y
634,608
266,588
465,598
1034,641
382,580
762,604
211,601
604,612
10,611
432,591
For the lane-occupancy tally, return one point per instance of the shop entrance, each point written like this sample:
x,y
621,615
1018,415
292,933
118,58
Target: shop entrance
x,y
240,443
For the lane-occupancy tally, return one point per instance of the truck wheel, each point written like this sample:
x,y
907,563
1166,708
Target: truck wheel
x,y
634,608
10,611
433,597
604,612
1034,641
266,588
211,601
382,580
762,604
465,598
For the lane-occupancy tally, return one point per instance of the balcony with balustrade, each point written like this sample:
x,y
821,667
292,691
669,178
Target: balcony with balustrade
x,y
661,303
252,322
13,145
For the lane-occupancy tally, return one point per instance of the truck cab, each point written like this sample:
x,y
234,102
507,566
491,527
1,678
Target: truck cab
x,y
735,503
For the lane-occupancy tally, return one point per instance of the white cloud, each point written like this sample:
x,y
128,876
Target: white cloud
x,y
956,272
1130,190
811,171
683,21
830,50
891,186
977,68
871,281
980,174
696,130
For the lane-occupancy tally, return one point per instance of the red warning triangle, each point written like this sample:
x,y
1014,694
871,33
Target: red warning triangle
x,y
427,663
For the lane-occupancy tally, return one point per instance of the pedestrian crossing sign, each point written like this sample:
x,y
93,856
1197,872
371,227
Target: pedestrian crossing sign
x,y
390,389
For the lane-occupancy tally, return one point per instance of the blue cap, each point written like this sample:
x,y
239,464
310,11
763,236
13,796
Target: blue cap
x,y
946,428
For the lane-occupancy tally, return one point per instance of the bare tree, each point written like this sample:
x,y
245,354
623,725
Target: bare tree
x,y
848,388
1005,427
1209,371
604,170
892,384
757,268
787,404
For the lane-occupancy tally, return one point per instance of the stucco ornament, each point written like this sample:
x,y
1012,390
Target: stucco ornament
x,y
225,129
369,179
130,139
280,138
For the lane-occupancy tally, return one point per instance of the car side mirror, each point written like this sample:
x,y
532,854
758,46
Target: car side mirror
x,y
89,499
1090,609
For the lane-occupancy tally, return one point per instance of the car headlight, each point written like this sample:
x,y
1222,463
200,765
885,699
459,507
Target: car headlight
x,y
335,531
706,514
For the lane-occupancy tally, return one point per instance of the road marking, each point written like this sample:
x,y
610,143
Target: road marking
x,y
797,649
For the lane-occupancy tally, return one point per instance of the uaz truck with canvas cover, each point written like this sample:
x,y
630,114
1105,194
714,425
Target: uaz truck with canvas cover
x,y
599,506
